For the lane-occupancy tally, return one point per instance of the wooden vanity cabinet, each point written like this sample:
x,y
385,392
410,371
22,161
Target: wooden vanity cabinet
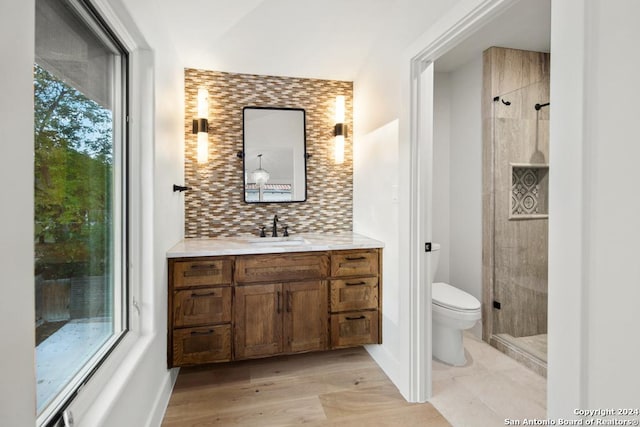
x,y
258,320
305,316
199,311
288,316
198,272
355,298
280,318
359,293
250,306
196,307
195,346
281,267
355,263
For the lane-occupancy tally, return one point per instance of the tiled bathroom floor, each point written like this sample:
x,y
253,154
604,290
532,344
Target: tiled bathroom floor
x,y
490,388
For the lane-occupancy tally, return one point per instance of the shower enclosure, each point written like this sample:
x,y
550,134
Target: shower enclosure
x,y
515,204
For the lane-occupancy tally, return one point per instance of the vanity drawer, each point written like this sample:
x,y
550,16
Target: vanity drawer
x,y
281,267
201,345
354,294
208,272
356,328
202,306
354,263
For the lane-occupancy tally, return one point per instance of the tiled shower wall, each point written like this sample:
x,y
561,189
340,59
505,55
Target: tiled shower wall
x,y
215,206
514,246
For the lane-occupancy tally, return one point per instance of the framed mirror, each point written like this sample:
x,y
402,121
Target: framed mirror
x,y
274,153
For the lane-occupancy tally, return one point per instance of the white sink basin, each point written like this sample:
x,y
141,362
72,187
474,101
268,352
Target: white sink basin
x,y
278,241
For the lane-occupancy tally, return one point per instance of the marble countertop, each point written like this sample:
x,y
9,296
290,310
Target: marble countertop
x,y
248,244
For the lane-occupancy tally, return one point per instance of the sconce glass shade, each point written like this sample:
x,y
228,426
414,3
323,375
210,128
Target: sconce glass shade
x,y
201,126
340,130
340,109
260,176
339,149
203,147
203,103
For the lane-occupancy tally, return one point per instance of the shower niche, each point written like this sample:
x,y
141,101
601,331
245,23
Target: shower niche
x,y
529,191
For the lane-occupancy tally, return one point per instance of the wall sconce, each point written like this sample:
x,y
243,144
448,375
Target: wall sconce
x,y
201,126
340,130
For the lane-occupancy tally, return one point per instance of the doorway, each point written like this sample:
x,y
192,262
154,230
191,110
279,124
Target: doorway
x,y
521,24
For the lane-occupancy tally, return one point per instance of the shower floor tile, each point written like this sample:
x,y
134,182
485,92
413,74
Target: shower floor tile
x,y
536,345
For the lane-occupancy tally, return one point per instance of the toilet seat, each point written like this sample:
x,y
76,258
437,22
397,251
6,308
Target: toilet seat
x,y
446,296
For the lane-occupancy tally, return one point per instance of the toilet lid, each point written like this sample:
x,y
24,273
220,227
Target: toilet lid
x,y
447,296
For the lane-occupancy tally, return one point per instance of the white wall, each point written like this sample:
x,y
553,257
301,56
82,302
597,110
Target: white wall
x,y
457,184
441,173
380,202
466,177
17,309
613,218
375,208
566,230
593,217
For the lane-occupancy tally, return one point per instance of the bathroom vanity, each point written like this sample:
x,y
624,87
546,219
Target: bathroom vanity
x,y
242,298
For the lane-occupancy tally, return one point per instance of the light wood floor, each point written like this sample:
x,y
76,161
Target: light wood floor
x,y
334,388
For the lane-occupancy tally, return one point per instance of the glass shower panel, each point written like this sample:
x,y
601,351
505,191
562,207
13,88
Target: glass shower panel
x,y
521,156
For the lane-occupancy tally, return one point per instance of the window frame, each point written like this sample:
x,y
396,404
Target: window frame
x,y
55,411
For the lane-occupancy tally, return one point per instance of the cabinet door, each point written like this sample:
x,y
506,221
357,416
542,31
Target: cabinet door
x,y
201,306
356,328
202,272
354,263
258,320
207,344
281,267
305,316
354,294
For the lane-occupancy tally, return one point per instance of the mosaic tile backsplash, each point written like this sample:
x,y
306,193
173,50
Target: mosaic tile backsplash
x,y
215,206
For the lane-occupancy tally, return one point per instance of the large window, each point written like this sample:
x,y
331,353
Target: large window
x,y
80,198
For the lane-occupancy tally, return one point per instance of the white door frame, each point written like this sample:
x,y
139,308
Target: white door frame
x,y
421,167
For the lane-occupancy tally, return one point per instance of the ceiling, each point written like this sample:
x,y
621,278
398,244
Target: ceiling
x,y
525,25
329,39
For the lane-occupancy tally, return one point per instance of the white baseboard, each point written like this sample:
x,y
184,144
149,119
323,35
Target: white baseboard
x,y
162,399
391,367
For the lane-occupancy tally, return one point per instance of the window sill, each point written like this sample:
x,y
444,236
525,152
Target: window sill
x,y
95,399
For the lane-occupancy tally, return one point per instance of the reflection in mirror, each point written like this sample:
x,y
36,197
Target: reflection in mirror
x,y
274,155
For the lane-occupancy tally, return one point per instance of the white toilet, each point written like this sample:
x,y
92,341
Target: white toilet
x,y
453,311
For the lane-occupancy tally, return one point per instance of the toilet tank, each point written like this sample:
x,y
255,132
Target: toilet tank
x,y
435,258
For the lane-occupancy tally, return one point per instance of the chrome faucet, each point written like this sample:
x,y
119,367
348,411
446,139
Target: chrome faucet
x,y
274,233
